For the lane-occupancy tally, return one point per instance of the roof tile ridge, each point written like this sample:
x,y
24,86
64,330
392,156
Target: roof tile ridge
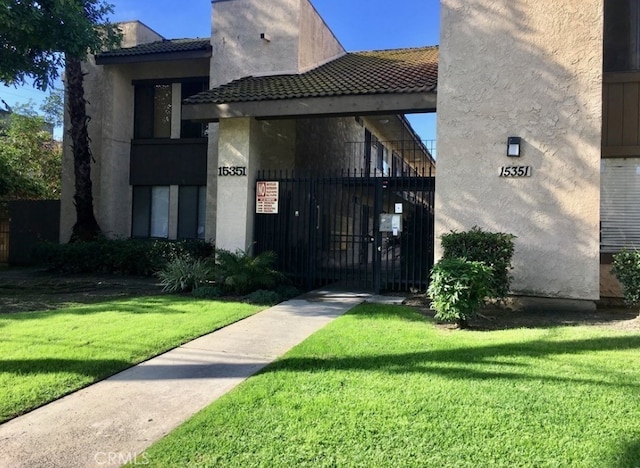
x,y
324,62
396,49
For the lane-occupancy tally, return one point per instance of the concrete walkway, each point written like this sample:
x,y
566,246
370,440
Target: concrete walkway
x,y
113,421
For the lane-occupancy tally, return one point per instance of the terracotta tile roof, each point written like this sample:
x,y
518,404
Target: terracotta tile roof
x,y
403,71
167,46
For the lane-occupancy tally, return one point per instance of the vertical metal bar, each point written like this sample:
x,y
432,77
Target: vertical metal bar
x,y
421,241
377,252
353,218
313,237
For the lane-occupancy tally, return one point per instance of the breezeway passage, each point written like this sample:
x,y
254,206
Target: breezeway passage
x,y
115,420
371,230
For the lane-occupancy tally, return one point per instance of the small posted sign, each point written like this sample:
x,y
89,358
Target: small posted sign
x,y
267,197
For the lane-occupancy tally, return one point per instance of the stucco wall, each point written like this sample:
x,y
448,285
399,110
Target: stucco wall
x,y
239,51
238,145
135,32
298,38
317,42
527,68
328,143
338,142
277,143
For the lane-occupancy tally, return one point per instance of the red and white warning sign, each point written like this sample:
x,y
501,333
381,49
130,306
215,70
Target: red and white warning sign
x,y
267,197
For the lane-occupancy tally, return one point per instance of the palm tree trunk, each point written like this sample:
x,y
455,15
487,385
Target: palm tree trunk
x,y
86,227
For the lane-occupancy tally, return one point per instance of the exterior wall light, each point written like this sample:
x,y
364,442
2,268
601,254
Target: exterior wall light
x,y
513,146
265,37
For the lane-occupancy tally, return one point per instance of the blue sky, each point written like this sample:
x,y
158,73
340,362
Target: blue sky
x,y
358,24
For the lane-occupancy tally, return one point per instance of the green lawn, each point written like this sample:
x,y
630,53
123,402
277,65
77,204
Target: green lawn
x,y
383,387
44,355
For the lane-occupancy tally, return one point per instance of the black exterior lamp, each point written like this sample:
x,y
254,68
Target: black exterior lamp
x,y
513,147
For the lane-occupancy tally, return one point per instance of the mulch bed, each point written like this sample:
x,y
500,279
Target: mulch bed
x,y
24,290
512,314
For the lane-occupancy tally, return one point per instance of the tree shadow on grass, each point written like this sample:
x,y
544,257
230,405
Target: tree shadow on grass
x,y
94,368
164,304
468,362
630,456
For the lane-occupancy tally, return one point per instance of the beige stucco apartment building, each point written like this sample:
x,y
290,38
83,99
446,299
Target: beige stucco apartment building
x,y
181,128
533,70
564,78
558,78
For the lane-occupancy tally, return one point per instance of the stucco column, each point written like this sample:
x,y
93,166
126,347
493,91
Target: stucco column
x,y
237,148
212,183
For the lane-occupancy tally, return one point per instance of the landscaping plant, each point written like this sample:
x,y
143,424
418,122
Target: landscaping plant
x,y
626,267
458,289
263,297
185,274
142,257
240,272
494,249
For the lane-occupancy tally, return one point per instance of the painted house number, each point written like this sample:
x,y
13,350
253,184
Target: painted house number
x,y
232,171
515,171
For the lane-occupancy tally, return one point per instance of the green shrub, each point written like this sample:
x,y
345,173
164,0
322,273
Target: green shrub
x,y
494,249
241,273
626,267
207,292
263,297
287,291
458,289
184,274
142,257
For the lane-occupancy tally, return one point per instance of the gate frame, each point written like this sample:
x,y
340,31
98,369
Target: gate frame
x,y
306,262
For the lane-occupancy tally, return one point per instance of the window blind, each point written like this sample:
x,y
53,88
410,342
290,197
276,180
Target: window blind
x,y
620,205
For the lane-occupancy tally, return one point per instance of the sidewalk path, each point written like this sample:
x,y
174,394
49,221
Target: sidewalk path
x,y
113,421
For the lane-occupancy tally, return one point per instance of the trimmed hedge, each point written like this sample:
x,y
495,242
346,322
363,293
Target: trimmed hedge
x,y
626,267
494,249
141,257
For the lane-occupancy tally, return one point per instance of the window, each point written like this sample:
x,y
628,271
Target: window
x,y
150,211
152,114
153,108
191,212
619,204
367,151
397,165
190,129
380,154
621,35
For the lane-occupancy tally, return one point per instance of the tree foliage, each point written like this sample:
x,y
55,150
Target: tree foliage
x,y
36,35
30,160
36,38
53,107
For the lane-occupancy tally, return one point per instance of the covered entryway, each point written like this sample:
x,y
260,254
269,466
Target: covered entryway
x,y
370,226
370,231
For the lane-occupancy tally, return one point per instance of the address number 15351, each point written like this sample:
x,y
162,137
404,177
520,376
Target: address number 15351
x,y
515,171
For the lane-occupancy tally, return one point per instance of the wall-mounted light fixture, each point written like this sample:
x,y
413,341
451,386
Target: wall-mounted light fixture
x,y
265,37
513,146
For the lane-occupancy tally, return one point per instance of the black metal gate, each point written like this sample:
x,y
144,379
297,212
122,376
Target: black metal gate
x,y
372,232
4,232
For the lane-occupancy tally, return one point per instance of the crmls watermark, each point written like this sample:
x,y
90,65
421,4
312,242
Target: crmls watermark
x,y
120,458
